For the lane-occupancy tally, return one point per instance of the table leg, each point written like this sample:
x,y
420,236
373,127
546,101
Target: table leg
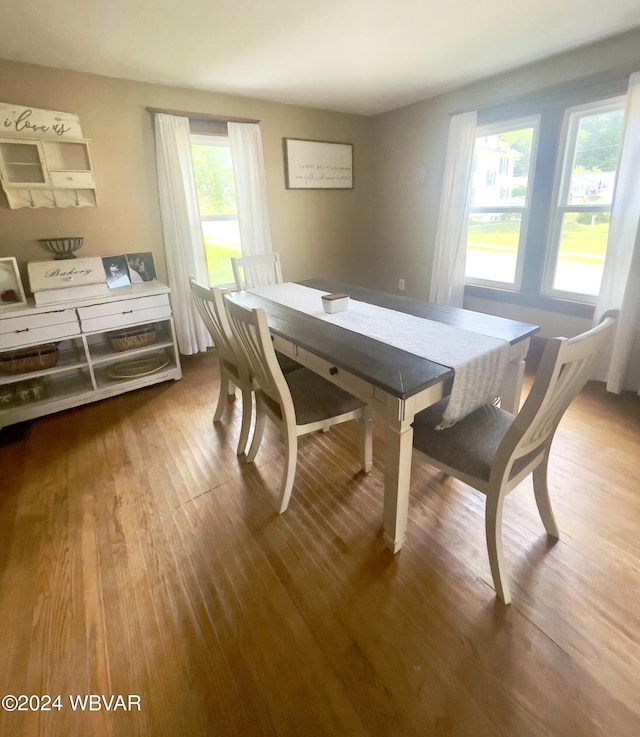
x,y
397,479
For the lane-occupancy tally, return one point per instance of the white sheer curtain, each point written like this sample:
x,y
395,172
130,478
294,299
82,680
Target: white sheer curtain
x,y
183,243
447,275
621,278
251,190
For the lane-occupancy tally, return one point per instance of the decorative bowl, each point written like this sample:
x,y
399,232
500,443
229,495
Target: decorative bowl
x,y
62,247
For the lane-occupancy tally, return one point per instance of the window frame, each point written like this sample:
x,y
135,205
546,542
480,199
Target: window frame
x,y
204,139
573,115
495,128
219,140
550,105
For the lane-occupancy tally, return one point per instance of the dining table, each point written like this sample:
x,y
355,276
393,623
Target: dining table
x,y
396,379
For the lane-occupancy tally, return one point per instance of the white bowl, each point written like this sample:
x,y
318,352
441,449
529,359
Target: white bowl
x,y
335,302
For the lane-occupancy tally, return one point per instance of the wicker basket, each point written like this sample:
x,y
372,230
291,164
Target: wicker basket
x,y
138,337
35,358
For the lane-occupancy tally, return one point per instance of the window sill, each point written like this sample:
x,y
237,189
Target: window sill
x,y
550,304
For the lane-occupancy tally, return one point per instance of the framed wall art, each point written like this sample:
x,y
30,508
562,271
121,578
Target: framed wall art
x,y
318,164
11,289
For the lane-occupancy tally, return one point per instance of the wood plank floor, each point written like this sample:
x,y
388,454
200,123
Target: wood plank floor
x,y
139,556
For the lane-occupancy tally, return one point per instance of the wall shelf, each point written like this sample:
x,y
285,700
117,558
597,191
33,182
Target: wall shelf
x,y
46,173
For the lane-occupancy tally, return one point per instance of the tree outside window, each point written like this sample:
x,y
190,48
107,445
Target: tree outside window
x,y
575,261
215,188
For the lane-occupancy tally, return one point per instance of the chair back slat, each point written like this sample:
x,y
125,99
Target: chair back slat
x,y
257,271
570,378
565,368
210,305
251,330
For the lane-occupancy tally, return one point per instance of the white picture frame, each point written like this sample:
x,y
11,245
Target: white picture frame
x,y
318,164
11,289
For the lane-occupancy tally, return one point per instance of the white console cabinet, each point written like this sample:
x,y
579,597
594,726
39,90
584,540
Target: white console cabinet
x,y
85,336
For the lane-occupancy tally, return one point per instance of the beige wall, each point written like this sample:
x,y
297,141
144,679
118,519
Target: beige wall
x,y
410,143
382,230
318,233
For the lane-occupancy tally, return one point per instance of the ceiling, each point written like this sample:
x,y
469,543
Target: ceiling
x,y
358,56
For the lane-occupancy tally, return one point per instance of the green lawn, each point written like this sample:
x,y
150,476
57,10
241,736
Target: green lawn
x,y
577,239
219,254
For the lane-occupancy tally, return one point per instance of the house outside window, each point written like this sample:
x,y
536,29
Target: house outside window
x,y
499,212
215,188
547,238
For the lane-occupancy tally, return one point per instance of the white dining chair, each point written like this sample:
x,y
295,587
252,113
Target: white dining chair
x,y
298,403
257,271
493,450
233,370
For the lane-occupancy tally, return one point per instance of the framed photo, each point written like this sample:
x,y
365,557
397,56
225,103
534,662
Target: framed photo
x,y
141,267
318,164
11,289
115,267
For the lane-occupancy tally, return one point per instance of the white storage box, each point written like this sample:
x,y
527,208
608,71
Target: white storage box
x,y
73,272
335,302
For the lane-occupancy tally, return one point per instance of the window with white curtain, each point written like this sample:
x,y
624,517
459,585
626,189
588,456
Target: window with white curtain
x,y
218,208
541,193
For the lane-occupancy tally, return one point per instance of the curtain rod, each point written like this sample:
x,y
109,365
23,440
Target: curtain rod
x,y
202,116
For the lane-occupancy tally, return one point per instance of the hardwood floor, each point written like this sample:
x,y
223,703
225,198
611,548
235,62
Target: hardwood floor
x,y
140,557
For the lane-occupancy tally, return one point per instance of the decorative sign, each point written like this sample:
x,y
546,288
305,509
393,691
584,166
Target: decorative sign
x,y
318,165
32,122
68,273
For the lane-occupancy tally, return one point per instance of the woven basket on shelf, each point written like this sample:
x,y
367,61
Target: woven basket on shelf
x,y
138,337
35,358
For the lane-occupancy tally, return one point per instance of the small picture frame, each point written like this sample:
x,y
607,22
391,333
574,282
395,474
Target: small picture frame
x,y
141,267
11,289
115,267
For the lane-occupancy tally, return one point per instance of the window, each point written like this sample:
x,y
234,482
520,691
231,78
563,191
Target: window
x,y
586,177
499,204
538,227
217,202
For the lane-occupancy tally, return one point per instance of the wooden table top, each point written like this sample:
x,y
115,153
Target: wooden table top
x,y
398,372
